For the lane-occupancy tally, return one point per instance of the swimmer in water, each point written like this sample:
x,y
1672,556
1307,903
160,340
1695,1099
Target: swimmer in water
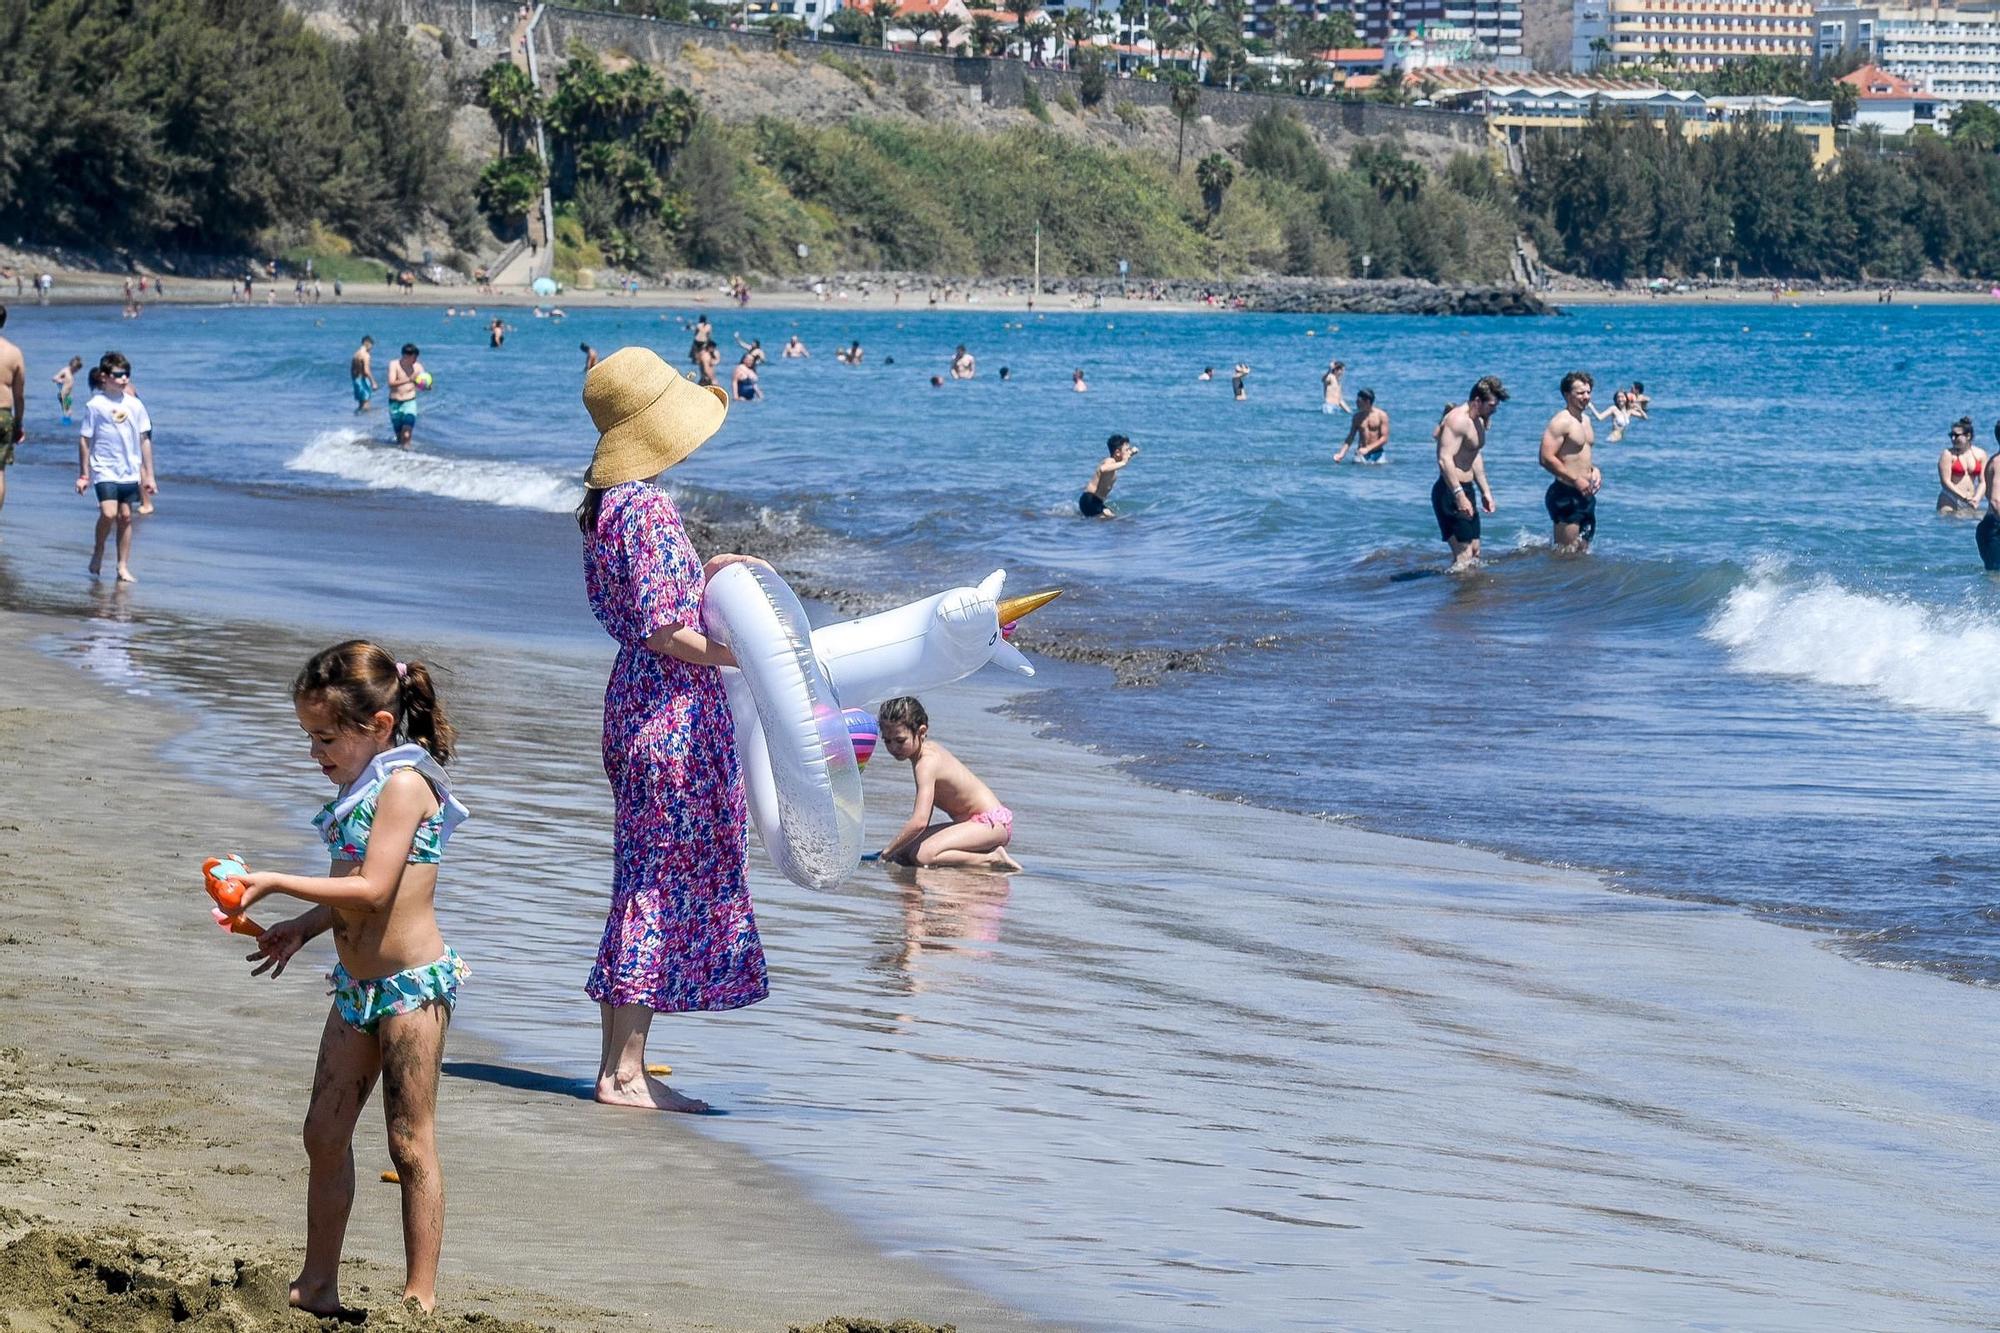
x,y
963,364
1207,374
589,356
1331,400
1620,412
1076,381
1572,497
851,355
743,380
1119,451
1962,480
794,348
1461,458
1371,425
1236,381
1005,374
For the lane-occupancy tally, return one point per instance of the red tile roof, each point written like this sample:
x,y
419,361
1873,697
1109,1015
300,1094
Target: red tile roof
x,y
1879,85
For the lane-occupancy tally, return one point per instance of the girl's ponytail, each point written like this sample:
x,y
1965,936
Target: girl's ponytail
x,y
359,679
424,719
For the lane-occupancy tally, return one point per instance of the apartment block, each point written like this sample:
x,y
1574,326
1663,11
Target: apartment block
x,y
1694,34
1953,54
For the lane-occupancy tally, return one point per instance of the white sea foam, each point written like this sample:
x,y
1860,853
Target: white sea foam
x,y
347,454
1924,658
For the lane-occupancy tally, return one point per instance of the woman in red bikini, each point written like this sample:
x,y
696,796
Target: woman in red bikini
x,y
1961,473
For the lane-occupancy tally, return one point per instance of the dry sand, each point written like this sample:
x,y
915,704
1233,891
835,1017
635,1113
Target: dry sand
x,y
151,1093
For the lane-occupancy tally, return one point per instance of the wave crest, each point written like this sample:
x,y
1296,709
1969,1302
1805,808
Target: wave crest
x,y
1922,658
347,454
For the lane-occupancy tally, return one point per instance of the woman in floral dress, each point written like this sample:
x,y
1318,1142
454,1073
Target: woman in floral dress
x,y
680,936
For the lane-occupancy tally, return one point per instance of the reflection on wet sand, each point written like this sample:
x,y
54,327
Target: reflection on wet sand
x,y
946,910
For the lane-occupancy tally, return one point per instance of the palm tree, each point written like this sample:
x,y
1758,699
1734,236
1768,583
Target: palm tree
x,y
1036,35
1185,97
1214,174
919,23
1077,25
985,34
946,25
1599,48
883,13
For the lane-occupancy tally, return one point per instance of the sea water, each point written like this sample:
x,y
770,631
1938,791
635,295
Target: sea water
x,y
1764,686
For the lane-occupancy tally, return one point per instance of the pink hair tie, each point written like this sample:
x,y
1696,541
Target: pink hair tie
x,y
402,671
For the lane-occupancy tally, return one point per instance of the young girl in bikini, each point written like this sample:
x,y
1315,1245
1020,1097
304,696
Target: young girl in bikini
x,y
980,826
379,734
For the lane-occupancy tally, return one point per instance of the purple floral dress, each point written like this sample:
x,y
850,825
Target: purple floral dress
x,y
681,934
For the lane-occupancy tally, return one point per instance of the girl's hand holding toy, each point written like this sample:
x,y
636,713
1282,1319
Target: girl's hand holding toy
x,y
223,876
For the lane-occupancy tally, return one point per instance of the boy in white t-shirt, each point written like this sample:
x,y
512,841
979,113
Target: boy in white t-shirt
x,y
115,454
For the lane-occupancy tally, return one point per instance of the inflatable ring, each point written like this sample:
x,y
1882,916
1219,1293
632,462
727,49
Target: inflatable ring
x,y
799,774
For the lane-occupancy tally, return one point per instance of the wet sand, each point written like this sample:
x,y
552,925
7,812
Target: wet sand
x,y
150,1097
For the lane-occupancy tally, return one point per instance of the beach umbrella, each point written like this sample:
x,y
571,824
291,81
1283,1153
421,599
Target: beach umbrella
x,y
545,287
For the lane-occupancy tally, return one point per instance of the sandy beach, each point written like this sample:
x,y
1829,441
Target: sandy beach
x,y
150,1095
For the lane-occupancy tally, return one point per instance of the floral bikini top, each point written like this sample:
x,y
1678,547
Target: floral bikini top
x,y
346,819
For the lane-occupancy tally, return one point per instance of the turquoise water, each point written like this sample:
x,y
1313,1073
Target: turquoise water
x,y
1766,686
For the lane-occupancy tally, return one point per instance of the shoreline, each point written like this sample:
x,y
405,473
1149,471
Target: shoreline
x,y
130,1024
1560,1038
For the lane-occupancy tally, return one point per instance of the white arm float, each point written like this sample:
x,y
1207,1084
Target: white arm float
x,y
786,695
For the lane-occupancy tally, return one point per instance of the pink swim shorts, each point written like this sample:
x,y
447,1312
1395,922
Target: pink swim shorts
x,y
999,817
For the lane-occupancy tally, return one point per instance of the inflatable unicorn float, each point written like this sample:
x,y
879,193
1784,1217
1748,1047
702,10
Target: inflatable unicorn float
x,y
793,687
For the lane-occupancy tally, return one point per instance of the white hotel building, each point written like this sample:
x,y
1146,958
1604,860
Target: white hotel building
x,y
1951,53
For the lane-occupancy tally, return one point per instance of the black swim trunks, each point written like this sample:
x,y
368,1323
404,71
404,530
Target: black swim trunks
x,y
1567,504
1988,537
1089,504
1452,525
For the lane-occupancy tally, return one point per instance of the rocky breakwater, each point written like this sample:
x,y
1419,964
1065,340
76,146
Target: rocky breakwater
x,y
1298,296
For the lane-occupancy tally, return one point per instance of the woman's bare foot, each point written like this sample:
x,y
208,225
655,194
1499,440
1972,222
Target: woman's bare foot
x,y
97,564
126,576
650,1095
1001,861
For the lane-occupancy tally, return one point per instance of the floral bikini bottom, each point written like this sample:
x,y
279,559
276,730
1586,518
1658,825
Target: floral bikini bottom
x,y
364,1004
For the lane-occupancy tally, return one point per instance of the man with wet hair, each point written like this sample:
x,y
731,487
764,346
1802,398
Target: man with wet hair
x,y
1572,497
1461,458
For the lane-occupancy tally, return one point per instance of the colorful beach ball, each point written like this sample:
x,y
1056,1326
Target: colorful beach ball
x,y
862,731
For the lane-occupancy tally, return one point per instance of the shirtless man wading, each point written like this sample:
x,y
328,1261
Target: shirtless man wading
x,y
1118,452
1572,497
1371,426
1461,440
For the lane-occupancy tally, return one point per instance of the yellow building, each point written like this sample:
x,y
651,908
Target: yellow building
x,y
1514,112
1697,34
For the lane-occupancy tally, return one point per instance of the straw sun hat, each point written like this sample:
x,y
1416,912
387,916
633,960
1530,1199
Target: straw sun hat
x,y
648,416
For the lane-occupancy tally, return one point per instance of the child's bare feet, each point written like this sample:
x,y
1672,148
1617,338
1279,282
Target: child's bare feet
x,y
126,576
323,1301
1002,861
649,1095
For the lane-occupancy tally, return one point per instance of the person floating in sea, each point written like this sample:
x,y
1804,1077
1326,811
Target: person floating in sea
x,y
378,732
1092,502
1236,378
115,455
1371,425
1571,498
980,827
1988,533
589,356
1077,382
13,403
406,377
1962,479
65,382
1461,457
794,348
1331,399
963,364
1207,374
361,370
